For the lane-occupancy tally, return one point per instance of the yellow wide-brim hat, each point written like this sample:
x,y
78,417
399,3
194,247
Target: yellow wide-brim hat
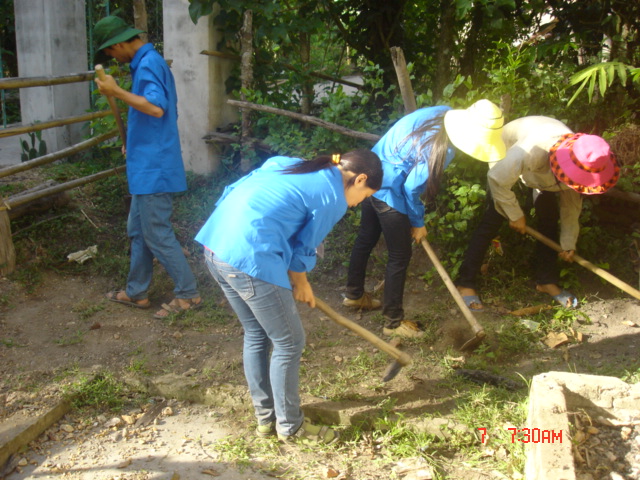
x,y
477,130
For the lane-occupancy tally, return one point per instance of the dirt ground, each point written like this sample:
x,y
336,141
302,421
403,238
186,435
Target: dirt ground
x,y
66,326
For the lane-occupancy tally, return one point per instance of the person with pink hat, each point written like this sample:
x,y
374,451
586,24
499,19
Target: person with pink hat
x,y
560,166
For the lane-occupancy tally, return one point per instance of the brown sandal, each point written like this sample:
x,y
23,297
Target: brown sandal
x,y
113,297
174,307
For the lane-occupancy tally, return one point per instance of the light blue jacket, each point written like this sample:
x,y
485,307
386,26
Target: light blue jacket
x,y
405,176
269,222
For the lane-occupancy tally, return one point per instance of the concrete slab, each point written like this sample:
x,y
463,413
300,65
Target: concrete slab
x,y
10,151
20,429
607,401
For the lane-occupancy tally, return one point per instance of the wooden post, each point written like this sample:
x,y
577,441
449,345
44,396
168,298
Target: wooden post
x,y
404,81
246,78
7,250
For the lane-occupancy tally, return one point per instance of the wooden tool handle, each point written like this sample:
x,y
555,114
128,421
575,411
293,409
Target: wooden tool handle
x,y
585,263
452,289
372,338
114,107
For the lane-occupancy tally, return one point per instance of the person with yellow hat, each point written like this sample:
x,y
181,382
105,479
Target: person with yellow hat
x,y
559,166
155,170
414,154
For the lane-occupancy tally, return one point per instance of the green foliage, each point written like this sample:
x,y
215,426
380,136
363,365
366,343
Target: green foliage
x,y
604,75
29,152
457,209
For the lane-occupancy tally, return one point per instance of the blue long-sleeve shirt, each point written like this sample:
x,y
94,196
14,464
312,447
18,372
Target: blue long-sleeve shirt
x,y
269,222
154,158
405,176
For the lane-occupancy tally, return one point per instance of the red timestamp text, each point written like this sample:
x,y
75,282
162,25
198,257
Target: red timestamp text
x,y
529,435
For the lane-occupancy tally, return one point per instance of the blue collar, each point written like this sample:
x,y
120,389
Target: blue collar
x,y
140,53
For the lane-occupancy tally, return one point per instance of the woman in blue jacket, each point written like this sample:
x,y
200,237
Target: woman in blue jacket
x,y
414,154
259,243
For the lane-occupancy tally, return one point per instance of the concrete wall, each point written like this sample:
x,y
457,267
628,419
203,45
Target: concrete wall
x,y
51,40
199,81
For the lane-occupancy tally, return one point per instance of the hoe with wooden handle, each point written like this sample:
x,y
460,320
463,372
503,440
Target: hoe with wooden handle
x,y
586,264
114,107
401,359
478,331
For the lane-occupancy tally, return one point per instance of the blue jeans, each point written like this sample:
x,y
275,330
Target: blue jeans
x,y
271,322
151,234
379,218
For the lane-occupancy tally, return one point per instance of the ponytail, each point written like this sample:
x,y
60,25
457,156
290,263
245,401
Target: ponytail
x,y
356,161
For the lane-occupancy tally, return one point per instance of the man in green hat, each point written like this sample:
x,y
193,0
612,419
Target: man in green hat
x,y
154,166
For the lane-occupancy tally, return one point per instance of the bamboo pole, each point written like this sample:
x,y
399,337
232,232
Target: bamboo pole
x,y
308,119
85,117
52,157
23,82
8,204
324,76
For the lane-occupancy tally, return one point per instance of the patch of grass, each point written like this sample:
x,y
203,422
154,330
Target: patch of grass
x,y
338,383
138,365
10,343
211,313
28,276
101,391
496,410
515,338
86,309
74,339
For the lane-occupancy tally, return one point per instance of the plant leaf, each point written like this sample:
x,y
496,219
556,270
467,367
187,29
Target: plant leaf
x,y
603,81
592,86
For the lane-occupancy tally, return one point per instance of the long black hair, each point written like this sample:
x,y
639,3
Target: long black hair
x,y
438,144
356,161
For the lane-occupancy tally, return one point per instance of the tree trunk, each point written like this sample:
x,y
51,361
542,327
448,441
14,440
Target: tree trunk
x,y
246,79
444,48
307,86
140,17
467,64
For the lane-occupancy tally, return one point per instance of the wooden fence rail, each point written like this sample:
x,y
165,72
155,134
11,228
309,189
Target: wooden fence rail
x,y
35,127
23,82
52,157
7,249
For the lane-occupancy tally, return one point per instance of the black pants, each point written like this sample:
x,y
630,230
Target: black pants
x,y
545,260
378,217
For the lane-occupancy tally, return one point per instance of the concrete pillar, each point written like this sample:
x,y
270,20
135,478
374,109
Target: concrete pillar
x,y
200,82
51,39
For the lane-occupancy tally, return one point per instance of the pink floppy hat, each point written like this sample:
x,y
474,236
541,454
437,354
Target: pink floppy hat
x,y
584,163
